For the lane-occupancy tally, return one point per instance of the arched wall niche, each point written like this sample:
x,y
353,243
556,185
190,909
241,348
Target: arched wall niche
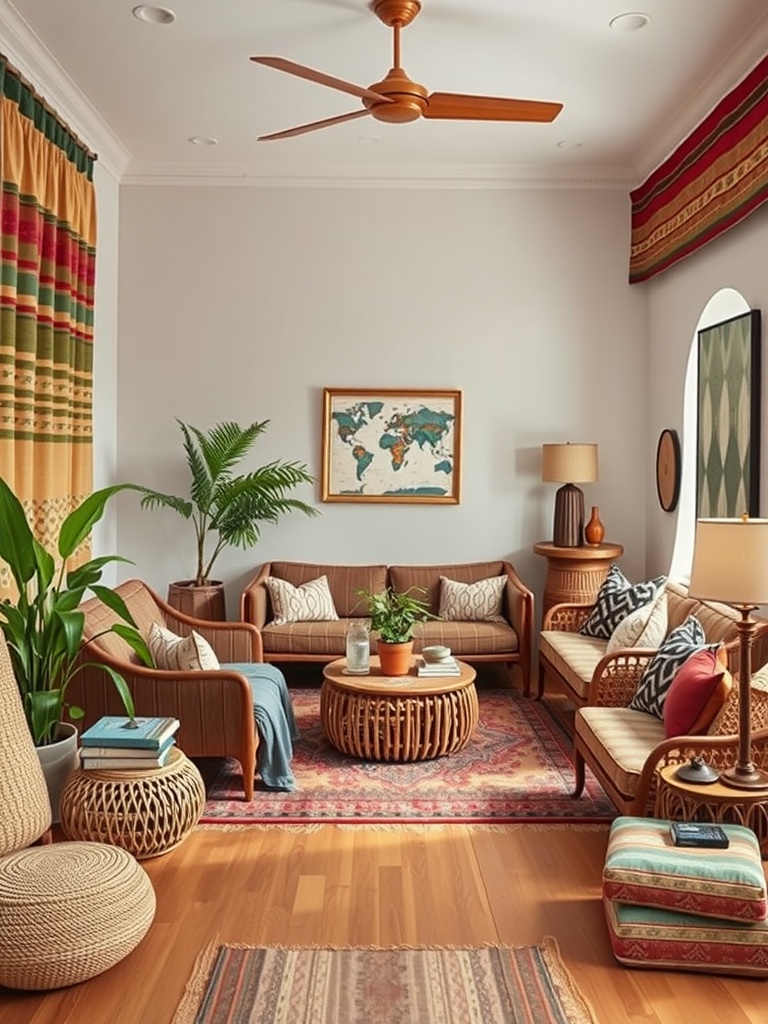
x,y
724,304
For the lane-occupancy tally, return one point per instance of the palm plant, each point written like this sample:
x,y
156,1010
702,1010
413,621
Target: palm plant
x,y
223,505
43,626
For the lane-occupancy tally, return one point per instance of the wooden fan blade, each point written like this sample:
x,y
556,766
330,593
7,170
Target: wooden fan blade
x,y
454,106
302,128
280,64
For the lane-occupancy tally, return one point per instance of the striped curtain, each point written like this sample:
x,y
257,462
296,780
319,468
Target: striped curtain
x,y
713,180
47,265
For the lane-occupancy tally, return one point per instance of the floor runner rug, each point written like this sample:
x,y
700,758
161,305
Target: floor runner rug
x,y
517,767
251,985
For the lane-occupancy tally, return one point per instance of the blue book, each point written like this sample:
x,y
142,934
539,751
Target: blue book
x,y
121,731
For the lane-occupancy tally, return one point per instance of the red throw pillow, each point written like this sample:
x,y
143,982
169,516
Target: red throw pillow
x,y
697,693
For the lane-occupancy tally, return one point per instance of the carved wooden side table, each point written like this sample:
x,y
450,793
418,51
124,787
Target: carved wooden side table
x,y
575,574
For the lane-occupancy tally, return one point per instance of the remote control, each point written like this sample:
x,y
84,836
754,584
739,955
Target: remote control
x,y
691,833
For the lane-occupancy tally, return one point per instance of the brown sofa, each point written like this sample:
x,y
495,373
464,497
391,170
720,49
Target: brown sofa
x,y
509,641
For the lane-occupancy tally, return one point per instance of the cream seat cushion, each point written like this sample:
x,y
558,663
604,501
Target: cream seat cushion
x,y
573,655
619,740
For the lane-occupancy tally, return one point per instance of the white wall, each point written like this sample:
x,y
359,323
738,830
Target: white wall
x,y
105,359
676,300
240,303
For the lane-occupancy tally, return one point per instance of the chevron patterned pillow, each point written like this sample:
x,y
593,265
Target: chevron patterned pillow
x,y
616,598
661,670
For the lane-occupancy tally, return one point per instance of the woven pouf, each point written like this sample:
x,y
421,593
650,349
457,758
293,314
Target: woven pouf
x,y
69,911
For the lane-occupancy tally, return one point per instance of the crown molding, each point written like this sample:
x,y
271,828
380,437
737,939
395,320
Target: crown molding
x,y
394,176
28,54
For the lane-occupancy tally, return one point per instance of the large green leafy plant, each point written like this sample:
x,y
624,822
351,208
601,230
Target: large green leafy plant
x,y
394,614
43,626
220,504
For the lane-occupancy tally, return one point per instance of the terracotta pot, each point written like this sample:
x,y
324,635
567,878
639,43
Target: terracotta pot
x,y
58,760
395,659
208,602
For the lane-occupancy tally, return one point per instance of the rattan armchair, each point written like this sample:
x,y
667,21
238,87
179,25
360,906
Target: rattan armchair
x,y
215,708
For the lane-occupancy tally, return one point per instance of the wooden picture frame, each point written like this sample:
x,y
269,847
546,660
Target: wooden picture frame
x,y
392,445
728,419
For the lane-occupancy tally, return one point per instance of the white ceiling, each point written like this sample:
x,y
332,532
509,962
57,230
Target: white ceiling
x,y
141,90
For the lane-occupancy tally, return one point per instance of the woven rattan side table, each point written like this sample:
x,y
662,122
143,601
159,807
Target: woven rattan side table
x,y
686,801
575,574
147,811
397,718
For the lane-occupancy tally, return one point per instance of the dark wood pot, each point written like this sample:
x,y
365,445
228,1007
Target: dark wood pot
x,y
208,602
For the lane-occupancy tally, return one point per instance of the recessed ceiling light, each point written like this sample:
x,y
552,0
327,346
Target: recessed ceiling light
x,y
202,140
154,15
569,144
630,22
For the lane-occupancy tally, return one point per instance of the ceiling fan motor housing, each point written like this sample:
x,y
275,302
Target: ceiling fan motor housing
x,y
410,98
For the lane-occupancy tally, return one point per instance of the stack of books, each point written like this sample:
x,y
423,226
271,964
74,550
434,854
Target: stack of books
x,y
444,667
119,742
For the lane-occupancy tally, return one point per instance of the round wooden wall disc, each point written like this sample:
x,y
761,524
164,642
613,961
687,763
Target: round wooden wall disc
x,y
668,470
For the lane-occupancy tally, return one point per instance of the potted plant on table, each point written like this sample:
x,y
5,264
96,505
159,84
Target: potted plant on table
x,y
394,615
227,507
43,625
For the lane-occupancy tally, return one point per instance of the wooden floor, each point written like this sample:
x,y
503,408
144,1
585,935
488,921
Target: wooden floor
x,y
359,886
441,886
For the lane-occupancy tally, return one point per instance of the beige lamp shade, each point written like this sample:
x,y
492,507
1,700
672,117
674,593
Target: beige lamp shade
x,y
569,463
730,561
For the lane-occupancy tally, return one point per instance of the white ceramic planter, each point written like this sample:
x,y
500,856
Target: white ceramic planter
x,y
58,761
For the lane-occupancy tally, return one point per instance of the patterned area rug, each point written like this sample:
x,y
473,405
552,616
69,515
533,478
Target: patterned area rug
x,y
517,767
245,984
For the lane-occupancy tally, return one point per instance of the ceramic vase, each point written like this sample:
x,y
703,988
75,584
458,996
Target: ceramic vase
x,y
594,531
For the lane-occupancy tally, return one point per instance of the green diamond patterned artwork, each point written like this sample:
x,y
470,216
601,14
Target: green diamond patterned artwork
x,y
728,429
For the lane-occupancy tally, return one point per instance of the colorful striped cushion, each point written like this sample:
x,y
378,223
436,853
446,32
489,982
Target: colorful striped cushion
x,y
644,867
652,937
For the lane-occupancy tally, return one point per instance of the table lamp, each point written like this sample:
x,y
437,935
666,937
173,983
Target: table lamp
x,y
730,564
569,464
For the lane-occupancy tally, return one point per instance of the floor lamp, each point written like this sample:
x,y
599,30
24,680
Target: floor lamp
x,y
730,564
569,464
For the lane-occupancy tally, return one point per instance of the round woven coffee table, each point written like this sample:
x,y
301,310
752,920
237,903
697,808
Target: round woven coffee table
x,y
146,811
397,718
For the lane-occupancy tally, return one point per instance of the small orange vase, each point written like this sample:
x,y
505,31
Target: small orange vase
x,y
395,659
594,531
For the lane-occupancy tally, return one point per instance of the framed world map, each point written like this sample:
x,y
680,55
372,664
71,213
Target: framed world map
x,y
391,445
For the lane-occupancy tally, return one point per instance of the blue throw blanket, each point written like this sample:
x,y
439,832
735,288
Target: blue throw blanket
x,y
275,721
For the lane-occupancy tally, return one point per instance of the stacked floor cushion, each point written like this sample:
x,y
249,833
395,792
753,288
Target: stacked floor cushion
x,y
692,908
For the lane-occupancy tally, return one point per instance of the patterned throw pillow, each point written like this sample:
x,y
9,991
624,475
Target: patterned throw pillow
x,y
180,653
472,602
645,627
616,598
310,602
661,670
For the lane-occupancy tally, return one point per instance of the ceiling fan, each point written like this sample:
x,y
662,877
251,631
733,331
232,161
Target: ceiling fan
x,y
397,99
